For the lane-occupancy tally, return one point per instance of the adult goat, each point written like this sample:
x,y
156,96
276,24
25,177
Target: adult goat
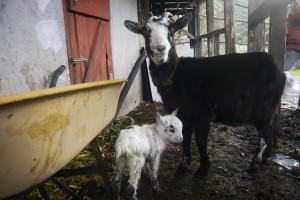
x,y
232,89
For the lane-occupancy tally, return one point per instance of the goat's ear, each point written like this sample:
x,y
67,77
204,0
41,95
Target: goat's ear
x,y
159,118
175,112
180,23
134,27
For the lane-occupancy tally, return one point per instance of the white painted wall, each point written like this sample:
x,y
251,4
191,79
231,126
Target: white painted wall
x,y
32,46
125,49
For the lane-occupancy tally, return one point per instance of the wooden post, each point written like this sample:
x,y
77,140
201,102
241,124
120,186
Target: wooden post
x,y
210,25
229,18
277,49
198,42
216,45
256,31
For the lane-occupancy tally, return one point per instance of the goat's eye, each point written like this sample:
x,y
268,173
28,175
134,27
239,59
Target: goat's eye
x,y
172,129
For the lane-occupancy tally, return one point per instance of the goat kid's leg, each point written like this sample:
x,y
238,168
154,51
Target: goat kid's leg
x,y
186,146
153,172
120,165
201,135
263,150
136,164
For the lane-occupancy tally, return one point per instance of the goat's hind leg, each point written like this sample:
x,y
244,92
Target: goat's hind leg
x,y
135,165
120,165
263,150
153,172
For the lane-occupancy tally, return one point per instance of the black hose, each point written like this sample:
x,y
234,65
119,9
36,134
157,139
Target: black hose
x,y
55,75
131,78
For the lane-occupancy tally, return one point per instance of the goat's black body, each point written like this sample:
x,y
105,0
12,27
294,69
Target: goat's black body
x,y
232,89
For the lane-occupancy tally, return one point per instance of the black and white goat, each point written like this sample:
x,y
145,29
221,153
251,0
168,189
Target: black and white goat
x,y
140,147
232,89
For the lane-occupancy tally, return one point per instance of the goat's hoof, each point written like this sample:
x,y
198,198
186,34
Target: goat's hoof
x,y
201,172
182,169
254,166
184,166
135,198
157,190
130,191
117,197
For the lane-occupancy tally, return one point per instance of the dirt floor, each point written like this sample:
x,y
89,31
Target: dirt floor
x,y
230,151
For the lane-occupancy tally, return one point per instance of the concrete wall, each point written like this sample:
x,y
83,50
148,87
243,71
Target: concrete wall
x,y
125,48
32,46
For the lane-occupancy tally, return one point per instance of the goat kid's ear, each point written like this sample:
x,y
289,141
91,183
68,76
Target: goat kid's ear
x,y
181,23
134,27
159,118
174,113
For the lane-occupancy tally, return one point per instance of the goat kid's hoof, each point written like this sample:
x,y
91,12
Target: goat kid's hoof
x,y
201,172
130,192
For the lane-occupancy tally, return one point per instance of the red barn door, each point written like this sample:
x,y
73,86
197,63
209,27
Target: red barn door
x,y
87,24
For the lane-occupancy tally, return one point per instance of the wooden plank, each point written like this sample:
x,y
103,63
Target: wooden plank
x,y
277,49
198,43
72,47
210,25
278,33
256,32
260,9
256,37
212,34
109,61
217,45
229,26
96,8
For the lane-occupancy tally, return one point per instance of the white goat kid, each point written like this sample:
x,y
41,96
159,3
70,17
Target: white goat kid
x,y
140,147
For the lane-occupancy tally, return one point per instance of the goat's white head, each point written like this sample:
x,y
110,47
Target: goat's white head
x,y
170,127
159,33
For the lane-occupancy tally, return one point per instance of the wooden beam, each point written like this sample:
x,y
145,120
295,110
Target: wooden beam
x,y
212,34
256,37
278,33
261,9
229,26
210,25
217,45
256,31
198,43
277,49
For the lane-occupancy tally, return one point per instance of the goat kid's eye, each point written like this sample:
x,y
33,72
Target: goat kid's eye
x,y
170,129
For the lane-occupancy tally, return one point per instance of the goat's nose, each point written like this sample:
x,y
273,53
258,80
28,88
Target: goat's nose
x,y
161,47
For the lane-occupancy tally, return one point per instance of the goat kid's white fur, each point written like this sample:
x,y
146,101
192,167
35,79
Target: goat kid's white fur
x,y
140,147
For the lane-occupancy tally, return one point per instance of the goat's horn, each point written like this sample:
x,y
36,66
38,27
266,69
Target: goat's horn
x,y
167,14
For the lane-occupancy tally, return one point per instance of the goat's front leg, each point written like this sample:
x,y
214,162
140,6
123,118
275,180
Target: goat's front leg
x,y
186,147
201,134
136,164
